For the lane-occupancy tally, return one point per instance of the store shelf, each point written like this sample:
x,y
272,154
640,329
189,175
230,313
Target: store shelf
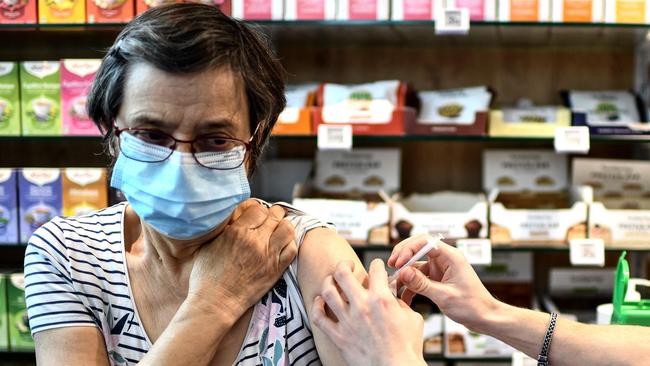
x,y
7,358
403,33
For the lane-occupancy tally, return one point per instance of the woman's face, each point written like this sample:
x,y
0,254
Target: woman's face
x,y
185,105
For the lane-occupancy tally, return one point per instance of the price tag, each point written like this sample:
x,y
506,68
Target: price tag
x,y
572,139
476,251
453,21
587,252
334,137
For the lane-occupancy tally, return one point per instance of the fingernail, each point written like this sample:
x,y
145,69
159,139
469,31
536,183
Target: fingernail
x,y
408,274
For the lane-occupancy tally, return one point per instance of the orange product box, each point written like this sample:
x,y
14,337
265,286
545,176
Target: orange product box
x,y
84,190
109,11
296,119
61,11
18,11
627,11
524,10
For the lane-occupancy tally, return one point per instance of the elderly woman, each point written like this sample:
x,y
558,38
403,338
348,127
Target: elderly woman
x,y
183,272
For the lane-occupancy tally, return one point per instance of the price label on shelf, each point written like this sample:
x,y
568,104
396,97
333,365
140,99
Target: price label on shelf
x,y
453,21
572,140
587,252
476,251
334,137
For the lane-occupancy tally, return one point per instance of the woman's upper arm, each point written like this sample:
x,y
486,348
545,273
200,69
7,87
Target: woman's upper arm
x,y
70,346
322,249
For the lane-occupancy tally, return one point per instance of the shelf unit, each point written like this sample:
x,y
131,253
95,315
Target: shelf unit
x,y
518,59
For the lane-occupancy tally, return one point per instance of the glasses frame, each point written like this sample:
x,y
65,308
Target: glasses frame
x,y
247,144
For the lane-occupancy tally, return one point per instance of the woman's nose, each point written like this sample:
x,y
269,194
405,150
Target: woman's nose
x,y
185,147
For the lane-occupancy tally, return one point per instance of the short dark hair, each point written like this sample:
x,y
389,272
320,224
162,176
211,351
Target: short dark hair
x,y
187,38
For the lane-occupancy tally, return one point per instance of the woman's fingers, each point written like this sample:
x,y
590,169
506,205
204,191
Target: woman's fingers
x,y
348,283
332,297
377,277
419,241
322,321
287,255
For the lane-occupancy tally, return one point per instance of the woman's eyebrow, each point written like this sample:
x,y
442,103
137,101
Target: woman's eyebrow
x,y
150,122
217,124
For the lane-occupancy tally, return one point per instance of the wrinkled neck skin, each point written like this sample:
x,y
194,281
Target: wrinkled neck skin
x,y
159,253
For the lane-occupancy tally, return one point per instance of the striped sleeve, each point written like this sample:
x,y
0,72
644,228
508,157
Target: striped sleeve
x,y
52,301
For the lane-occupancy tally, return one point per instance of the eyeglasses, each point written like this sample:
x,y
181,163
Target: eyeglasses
x,y
154,146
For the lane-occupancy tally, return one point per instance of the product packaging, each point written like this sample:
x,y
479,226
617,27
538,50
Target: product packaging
x,y
612,112
40,93
479,10
413,10
531,201
18,12
84,190
8,206
62,11
39,192
529,121
433,334
524,10
452,112
460,342
359,222
4,316
109,11
143,5
296,117
76,79
258,9
9,99
578,11
20,338
509,277
373,108
627,11
363,10
455,215
359,170
620,213
310,10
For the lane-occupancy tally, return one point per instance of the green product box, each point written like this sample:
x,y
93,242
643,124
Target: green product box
x,y
20,338
9,99
40,95
4,320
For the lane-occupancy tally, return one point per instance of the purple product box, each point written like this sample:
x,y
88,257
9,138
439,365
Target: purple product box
x,y
40,198
8,207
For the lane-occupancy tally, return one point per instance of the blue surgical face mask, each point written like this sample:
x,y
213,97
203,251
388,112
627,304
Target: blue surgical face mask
x,y
177,197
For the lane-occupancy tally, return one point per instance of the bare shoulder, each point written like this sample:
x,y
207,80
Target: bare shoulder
x,y
70,346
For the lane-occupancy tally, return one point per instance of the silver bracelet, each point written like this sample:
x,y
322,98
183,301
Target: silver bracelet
x,y
542,359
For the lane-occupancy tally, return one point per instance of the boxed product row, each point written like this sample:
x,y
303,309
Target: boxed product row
x,y
46,97
15,334
531,200
390,107
119,11
30,197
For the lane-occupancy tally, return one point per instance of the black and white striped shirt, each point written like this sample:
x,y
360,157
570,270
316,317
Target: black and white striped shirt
x,y
76,275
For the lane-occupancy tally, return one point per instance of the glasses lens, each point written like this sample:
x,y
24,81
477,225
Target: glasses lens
x,y
223,160
147,146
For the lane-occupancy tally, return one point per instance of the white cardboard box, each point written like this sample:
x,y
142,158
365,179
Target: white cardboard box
x,y
358,170
524,10
363,10
578,11
524,170
620,228
613,178
454,215
310,10
258,9
359,222
461,342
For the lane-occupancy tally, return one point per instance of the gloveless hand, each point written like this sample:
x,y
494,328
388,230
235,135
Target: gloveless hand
x,y
373,327
246,259
446,279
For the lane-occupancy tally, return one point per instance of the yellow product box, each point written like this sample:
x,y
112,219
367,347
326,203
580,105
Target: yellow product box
x,y
578,11
627,11
524,10
455,215
61,11
84,190
528,122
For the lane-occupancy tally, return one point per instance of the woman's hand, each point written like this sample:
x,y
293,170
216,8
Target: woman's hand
x,y
245,260
373,327
446,279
